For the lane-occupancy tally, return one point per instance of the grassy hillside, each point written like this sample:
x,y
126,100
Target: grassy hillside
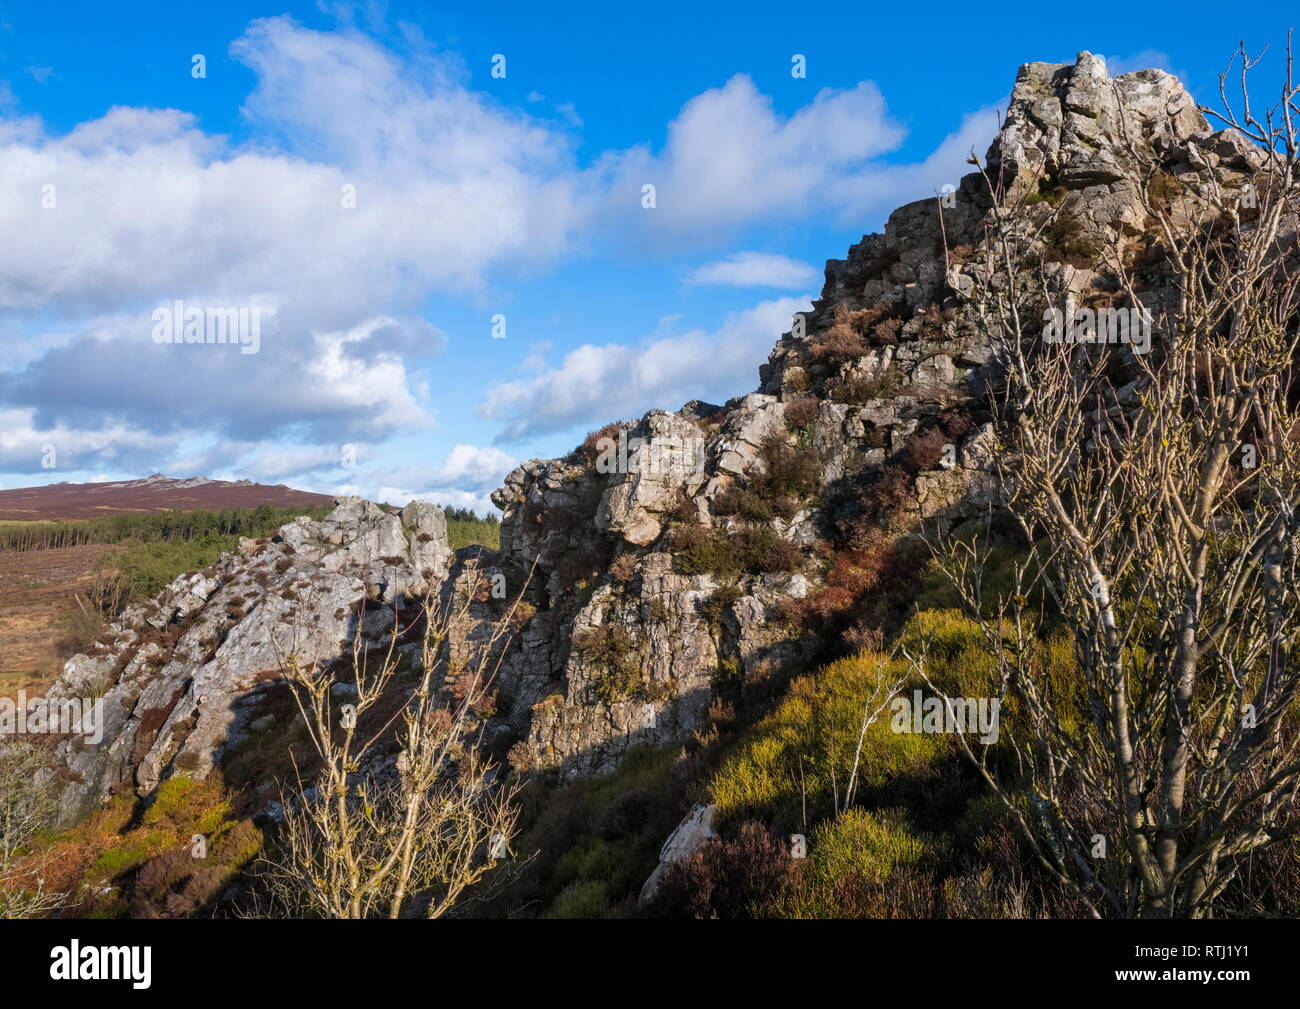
x,y
922,837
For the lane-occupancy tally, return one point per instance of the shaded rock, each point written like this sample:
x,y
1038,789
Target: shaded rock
x,y
695,830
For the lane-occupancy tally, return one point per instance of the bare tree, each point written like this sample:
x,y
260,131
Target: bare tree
x,y
27,803
889,680
364,837
1158,494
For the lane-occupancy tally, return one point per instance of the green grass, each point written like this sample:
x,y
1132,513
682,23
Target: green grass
x,y
801,755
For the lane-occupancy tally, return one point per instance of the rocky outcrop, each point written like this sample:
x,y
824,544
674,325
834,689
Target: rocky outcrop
x,y
662,460
1074,124
656,560
180,674
608,546
641,645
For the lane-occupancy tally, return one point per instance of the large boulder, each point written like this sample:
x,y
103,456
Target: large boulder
x,y
692,834
654,464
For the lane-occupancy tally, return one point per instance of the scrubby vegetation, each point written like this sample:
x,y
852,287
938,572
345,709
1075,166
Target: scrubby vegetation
x,y
854,333
920,838
597,840
612,653
145,569
181,855
789,476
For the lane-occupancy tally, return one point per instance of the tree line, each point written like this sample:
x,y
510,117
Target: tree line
x,y
158,527
167,527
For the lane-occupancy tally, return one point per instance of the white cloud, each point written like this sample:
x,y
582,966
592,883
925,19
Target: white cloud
x,y
731,159
279,464
25,438
451,188
447,185
896,185
1147,58
465,479
596,384
148,208
469,465
404,494
353,384
754,269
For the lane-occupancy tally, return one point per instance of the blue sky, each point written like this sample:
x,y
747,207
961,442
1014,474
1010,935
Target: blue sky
x,y
475,196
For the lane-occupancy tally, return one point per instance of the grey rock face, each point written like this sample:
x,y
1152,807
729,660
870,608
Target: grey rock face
x,y
178,673
1074,118
666,461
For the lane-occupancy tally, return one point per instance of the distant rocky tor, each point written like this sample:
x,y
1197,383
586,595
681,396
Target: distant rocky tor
x,y
154,493
653,584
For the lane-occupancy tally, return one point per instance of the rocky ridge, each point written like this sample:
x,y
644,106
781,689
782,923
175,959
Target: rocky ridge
x,y
653,582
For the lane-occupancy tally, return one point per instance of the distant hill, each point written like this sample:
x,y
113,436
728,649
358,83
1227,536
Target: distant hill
x,y
154,493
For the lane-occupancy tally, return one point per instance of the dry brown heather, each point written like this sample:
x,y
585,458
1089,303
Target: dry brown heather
x,y
38,603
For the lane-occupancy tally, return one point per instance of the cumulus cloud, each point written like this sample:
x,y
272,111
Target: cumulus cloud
x,y
731,159
328,385
471,466
754,269
289,461
446,184
402,494
891,186
139,207
27,446
615,380
464,479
